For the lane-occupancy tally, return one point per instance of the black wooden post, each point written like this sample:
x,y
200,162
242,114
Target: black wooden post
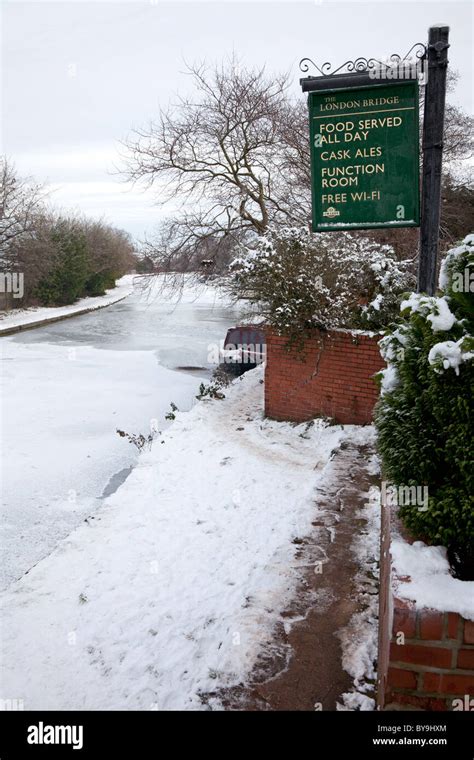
x,y
433,124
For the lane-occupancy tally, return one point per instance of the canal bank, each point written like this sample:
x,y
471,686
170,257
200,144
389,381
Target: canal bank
x,y
67,387
15,321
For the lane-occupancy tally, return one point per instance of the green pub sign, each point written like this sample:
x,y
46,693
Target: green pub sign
x,y
364,157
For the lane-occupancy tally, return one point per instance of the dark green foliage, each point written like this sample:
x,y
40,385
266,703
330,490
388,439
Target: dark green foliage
x,y
67,278
425,421
84,260
457,278
212,390
221,379
99,282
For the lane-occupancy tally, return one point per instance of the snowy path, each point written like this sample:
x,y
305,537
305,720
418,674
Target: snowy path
x,y
175,587
323,651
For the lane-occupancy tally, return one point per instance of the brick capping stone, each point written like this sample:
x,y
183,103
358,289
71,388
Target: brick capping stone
x,y
332,376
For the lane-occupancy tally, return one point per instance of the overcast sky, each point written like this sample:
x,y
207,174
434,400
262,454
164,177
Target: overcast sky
x,y
78,76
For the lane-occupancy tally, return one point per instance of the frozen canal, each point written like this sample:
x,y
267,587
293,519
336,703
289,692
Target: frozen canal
x,y
67,387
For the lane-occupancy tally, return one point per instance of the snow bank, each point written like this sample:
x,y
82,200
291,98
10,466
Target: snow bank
x,y
41,314
176,585
359,640
430,583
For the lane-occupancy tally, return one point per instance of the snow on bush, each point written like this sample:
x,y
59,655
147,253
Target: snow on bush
x,y
435,310
455,263
389,379
424,416
450,354
299,281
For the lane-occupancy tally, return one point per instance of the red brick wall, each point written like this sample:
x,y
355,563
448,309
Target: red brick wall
x,y
426,657
332,377
435,664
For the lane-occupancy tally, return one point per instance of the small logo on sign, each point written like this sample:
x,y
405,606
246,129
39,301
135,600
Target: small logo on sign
x,y
331,212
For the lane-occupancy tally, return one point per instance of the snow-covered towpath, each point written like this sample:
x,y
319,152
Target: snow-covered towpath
x,y
21,319
174,587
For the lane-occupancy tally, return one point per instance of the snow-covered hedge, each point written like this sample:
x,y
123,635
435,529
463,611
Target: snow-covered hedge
x,y
299,281
425,414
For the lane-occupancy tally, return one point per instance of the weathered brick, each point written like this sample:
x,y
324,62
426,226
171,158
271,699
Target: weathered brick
x,y
452,625
404,620
431,682
401,679
419,654
457,683
469,632
421,702
465,659
431,625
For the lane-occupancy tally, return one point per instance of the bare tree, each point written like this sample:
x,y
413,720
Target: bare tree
x,y
458,145
296,157
20,202
221,151
109,249
233,159
457,209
